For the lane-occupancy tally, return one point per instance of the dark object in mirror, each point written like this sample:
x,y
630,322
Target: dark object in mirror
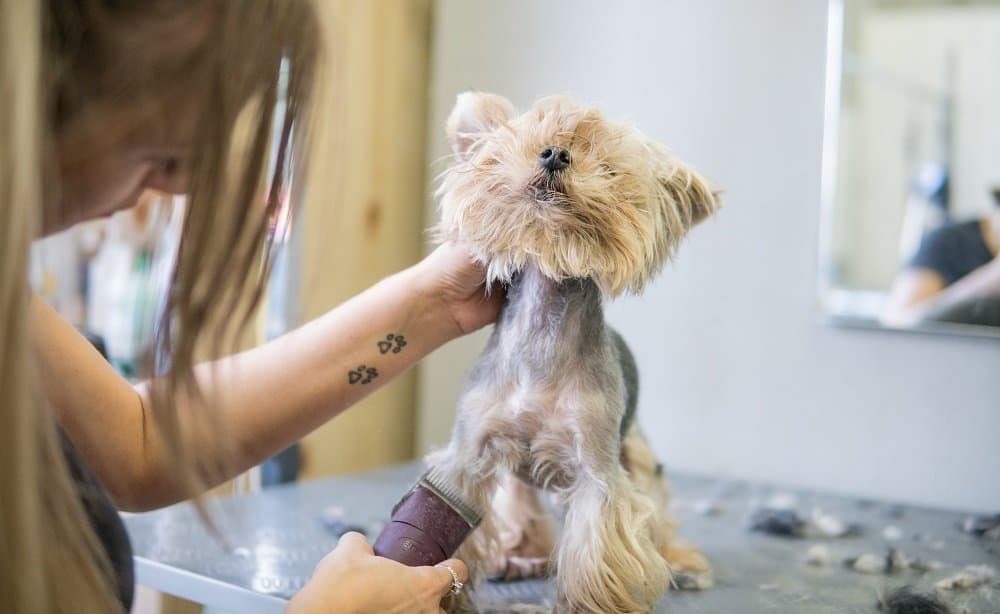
x,y
987,527
980,310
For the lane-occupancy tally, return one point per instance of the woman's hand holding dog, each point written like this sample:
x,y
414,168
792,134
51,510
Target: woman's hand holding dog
x,y
456,280
450,275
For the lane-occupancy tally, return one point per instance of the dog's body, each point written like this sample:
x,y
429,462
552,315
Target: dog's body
x,y
550,404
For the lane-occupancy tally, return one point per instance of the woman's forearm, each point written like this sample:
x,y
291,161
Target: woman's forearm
x,y
265,398
271,396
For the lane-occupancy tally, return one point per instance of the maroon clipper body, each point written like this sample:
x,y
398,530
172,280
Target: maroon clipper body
x,y
428,524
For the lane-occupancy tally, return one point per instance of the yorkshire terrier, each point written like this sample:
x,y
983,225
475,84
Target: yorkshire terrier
x,y
566,209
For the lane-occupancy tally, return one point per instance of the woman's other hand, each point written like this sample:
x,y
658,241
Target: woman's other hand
x,y
352,580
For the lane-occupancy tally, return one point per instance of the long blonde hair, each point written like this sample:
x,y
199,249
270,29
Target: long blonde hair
x,y
56,58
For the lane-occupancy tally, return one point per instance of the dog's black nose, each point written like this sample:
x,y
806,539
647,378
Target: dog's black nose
x,y
554,159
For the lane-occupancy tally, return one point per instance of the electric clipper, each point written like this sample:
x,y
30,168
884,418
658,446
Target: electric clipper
x,y
428,524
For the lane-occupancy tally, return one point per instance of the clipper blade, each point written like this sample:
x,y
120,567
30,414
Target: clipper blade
x,y
434,480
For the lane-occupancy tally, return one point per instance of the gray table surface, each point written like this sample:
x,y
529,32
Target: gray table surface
x,y
272,540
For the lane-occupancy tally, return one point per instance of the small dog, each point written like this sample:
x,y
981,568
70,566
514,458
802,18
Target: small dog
x,y
567,209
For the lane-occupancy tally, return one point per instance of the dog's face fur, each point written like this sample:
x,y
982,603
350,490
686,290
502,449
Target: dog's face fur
x,y
562,189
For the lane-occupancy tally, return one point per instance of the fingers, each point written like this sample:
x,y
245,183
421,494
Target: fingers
x,y
353,542
444,577
496,292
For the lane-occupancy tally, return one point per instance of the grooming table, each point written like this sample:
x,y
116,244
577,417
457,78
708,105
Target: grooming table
x,y
274,538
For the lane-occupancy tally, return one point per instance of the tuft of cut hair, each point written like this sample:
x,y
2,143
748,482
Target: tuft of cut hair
x,y
905,600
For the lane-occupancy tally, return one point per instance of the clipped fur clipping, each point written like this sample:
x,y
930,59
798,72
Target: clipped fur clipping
x,y
905,600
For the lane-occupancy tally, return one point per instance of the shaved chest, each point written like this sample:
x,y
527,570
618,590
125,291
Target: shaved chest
x,y
510,398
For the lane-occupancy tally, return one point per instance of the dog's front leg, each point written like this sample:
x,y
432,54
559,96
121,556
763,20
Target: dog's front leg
x,y
481,451
475,483
607,560
524,529
475,486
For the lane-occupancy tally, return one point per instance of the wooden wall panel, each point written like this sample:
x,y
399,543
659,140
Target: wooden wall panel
x,y
363,216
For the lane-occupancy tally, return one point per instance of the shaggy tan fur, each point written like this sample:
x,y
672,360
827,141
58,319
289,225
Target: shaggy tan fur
x,y
548,407
616,218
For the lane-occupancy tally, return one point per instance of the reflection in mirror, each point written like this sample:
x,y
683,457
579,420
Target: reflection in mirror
x,y
911,223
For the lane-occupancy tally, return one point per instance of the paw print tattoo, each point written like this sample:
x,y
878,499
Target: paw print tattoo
x,y
362,375
385,346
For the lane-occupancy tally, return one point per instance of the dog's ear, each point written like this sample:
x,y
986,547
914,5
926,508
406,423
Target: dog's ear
x,y
475,113
689,192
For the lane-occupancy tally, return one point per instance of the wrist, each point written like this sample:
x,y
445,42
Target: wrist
x,y
430,312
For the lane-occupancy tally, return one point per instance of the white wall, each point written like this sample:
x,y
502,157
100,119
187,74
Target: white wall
x,y
739,376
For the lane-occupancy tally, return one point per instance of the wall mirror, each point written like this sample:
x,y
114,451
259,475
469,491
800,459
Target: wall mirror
x,y
911,166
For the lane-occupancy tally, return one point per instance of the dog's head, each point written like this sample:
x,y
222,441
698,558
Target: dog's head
x,y
563,189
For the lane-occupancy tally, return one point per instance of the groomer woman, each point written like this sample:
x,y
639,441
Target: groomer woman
x,y
100,100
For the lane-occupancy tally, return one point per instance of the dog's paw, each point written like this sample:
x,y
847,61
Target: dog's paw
x,y
685,558
513,567
689,569
699,581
